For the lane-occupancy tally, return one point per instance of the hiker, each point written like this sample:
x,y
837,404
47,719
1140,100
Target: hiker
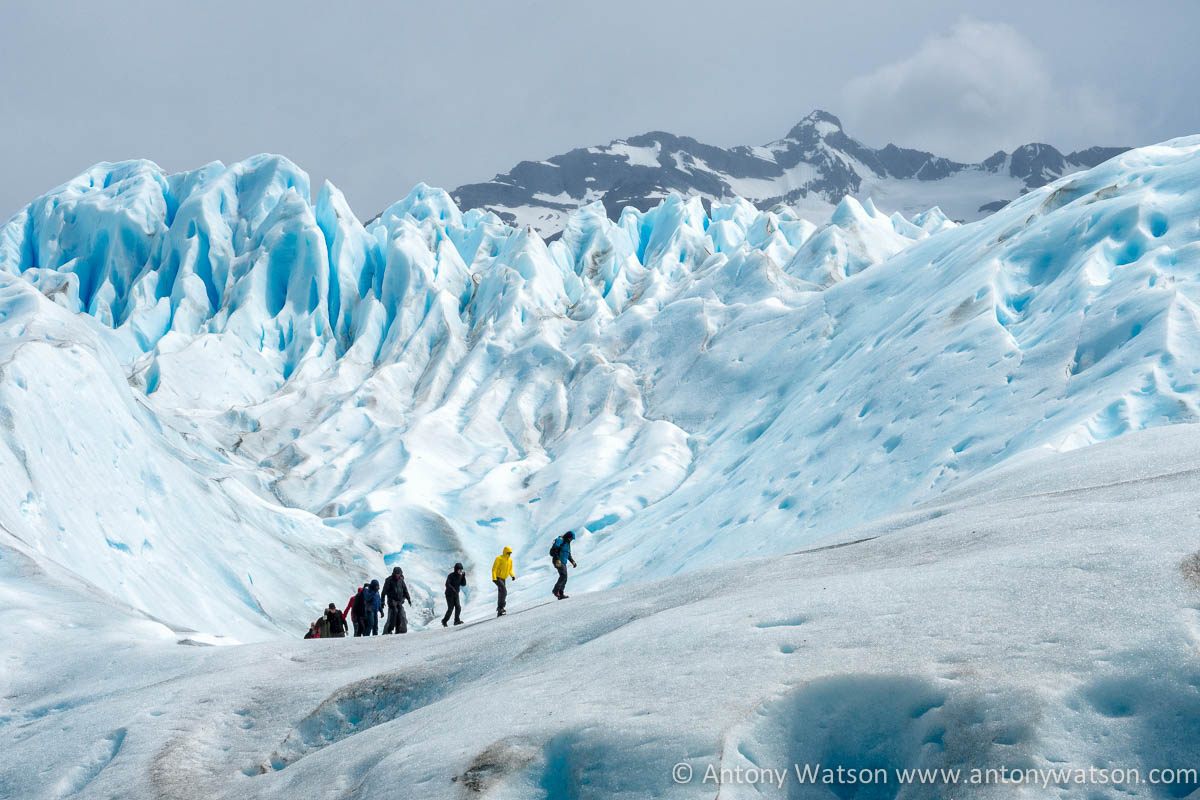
x,y
395,592
455,581
312,631
502,570
372,609
560,554
354,609
322,624
335,622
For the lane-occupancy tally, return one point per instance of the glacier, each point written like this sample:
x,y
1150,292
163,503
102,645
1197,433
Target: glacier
x,y
684,388
224,404
426,389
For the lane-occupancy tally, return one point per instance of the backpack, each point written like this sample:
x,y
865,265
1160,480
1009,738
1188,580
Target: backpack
x,y
360,605
555,550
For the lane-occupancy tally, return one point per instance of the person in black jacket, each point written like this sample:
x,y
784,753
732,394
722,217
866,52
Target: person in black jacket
x,y
335,621
358,610
455,581
395,592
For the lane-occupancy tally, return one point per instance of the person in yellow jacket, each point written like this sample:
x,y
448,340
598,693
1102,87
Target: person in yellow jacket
x,y
502,570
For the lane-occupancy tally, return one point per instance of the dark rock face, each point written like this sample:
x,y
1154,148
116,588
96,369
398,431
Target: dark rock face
x,y
817,160
1094,156
1036,164
992,207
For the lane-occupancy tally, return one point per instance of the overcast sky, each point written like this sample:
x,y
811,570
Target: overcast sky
x,y
377,97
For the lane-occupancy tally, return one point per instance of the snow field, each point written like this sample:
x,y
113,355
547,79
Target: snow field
x,y
1039,617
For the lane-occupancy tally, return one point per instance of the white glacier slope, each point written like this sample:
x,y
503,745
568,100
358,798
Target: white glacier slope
x,y
106,492
318,400
1044,616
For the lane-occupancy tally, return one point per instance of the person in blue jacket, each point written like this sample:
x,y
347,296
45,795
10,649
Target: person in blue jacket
x,y
560,554
373,606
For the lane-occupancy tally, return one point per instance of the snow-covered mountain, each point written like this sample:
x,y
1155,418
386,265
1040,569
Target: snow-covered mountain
x,y
811,169
278,401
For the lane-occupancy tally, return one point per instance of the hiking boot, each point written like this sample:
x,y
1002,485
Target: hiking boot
x,y
443,623
458,622
563,596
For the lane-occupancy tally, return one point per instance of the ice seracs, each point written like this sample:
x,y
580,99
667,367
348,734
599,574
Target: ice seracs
x,y
681,386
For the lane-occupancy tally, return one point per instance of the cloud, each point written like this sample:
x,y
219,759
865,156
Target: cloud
x,y
981,88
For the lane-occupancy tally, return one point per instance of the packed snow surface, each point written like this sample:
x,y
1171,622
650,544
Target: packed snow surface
x,y
1045,616
223,406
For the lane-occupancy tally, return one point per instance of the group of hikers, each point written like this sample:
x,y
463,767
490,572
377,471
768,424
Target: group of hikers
x,y
369,602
